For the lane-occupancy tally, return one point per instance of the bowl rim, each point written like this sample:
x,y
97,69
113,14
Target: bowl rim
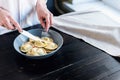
x,y
42,56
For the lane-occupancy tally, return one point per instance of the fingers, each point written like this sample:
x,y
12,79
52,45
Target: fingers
x,y
16,25
47,23
42,22
8,24
7,21
51,19
44,14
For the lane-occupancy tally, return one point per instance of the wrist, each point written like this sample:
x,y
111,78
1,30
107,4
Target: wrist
x,y
41,2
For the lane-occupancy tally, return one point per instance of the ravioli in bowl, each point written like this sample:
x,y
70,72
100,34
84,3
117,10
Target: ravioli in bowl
x,y
44,47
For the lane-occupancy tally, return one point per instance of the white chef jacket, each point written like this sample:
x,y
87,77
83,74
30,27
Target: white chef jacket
x,y
23,11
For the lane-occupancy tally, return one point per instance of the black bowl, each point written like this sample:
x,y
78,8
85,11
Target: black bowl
x,y
20,39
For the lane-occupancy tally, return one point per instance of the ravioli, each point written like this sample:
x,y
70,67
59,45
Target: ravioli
x,y
47,39
26,47
51,46
40,47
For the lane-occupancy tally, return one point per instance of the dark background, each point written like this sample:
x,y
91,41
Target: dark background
x,y
51,7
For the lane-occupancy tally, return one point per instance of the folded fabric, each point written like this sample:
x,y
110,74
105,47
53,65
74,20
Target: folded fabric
x,y
94,28
79,1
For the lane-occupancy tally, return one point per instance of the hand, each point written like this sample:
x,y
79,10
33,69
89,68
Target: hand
x,y
7,21
44,15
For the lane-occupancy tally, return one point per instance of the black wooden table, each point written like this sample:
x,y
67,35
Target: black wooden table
x,y
76,60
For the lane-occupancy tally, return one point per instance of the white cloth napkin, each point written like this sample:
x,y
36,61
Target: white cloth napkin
x,y
94,28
